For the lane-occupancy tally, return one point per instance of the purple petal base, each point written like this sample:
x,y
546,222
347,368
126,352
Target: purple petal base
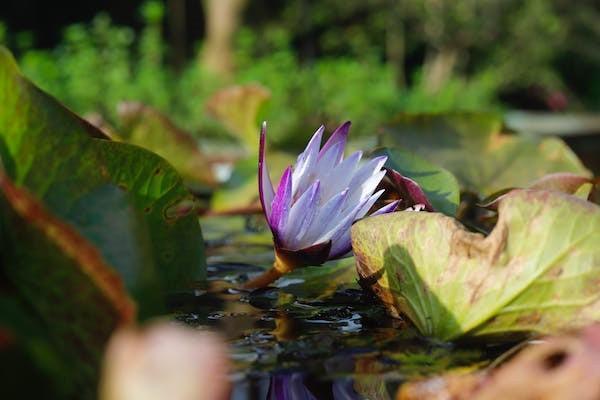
x,y
313,255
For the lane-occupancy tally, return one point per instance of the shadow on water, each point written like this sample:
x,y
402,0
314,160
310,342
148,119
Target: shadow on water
x,y
317,335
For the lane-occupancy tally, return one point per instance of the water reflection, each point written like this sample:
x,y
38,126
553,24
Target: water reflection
x,y
315,336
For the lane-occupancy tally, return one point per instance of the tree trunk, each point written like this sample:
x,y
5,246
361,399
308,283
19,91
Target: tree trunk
x,y
176,16
222,20
438,68
395,46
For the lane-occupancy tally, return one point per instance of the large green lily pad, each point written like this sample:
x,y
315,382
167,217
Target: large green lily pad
x,y
538,270
53,154
472,147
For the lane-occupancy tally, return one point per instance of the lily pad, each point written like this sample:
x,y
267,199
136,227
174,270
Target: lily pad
x,y
52,153
474,149
238,107
66,284
148,128
439,185
538,270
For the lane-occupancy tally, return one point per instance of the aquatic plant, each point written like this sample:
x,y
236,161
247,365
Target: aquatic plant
x,y
316,202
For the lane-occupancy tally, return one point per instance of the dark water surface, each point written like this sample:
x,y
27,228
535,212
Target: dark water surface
x,y
316,335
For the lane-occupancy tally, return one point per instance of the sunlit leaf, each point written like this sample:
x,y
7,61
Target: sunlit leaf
x,y
146,127
49,150
538,270
472,147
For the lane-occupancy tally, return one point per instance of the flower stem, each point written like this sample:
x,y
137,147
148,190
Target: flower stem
x,y
264,279
280,267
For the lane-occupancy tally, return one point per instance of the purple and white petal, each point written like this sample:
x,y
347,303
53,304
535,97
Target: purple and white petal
x,y
301,214
305,166
368,204
366,188
318,200
282,203
335,230
388,208
367,170
339,178
340,135
325,215
265,186
328,160
342,246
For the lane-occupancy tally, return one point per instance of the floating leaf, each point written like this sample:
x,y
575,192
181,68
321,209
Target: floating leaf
x,y
66,282
48,150
238,107
439,185
472,147
561,181
146,127
538,270
565,182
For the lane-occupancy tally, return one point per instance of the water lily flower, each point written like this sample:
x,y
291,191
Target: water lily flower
x,y
317,200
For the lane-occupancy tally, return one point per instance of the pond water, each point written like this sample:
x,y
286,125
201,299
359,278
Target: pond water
x,y
315,334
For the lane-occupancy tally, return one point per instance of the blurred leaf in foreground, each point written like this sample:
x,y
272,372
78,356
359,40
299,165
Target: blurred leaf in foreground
x,y
66,283
165,361
561,368
538,270
472,147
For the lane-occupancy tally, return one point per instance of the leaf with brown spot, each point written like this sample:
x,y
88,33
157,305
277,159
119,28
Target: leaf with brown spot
x,y
538,270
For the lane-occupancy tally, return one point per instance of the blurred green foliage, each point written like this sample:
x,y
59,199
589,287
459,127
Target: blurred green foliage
x,y
101,64
366,60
